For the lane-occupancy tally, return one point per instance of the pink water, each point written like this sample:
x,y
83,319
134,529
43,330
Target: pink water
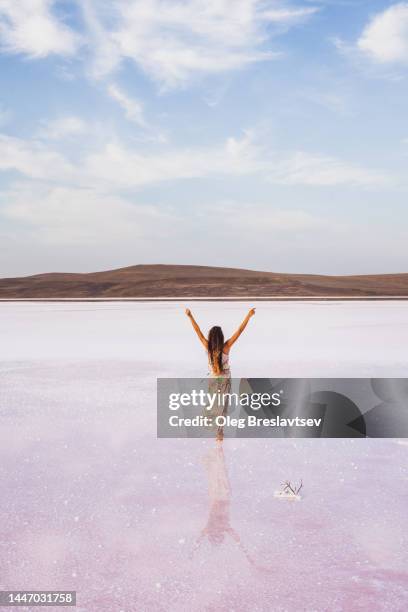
x,y
93,502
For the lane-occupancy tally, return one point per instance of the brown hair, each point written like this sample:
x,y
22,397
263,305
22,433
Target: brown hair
x,y
215,347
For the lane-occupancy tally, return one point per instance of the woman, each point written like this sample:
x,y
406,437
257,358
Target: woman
x,y
218,362
217,349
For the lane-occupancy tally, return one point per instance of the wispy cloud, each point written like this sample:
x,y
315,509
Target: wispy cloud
x,y
287,15
102,48
116,166
63,127
133,108
34,159
30,27
134,112
304,168
173,41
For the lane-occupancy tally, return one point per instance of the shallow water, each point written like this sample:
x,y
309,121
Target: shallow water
x,y
93,502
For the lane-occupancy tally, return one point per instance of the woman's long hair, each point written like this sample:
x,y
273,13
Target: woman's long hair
x,y
215,346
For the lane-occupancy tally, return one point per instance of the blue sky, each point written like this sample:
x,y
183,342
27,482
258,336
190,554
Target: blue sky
x,y
264,134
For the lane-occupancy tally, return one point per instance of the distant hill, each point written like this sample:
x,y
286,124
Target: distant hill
x,y
199,281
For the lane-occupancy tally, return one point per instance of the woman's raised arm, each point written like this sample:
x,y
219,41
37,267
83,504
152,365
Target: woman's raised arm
x,y
240,329
197,329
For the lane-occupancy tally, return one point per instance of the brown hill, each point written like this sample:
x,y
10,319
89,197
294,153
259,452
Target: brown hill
x,y
199,281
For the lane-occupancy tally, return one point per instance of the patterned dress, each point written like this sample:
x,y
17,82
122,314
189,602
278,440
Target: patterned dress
x,y
219,384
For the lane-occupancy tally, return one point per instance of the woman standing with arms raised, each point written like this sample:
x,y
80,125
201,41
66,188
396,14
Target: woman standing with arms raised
x,y
217,348
218,351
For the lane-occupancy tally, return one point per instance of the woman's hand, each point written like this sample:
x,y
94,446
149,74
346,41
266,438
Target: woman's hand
x,y
251,312
188,312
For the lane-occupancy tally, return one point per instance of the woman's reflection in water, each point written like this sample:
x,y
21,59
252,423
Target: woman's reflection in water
x,y
218,527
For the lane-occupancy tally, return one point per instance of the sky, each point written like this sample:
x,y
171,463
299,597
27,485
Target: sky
x,y
261,134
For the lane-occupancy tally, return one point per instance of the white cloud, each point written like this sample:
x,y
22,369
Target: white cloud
x,y
318,170
105,55
236,157
34,160
134,112
30,27
172,41
63,127
385,38
285,15
133,108
71,215
116,166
